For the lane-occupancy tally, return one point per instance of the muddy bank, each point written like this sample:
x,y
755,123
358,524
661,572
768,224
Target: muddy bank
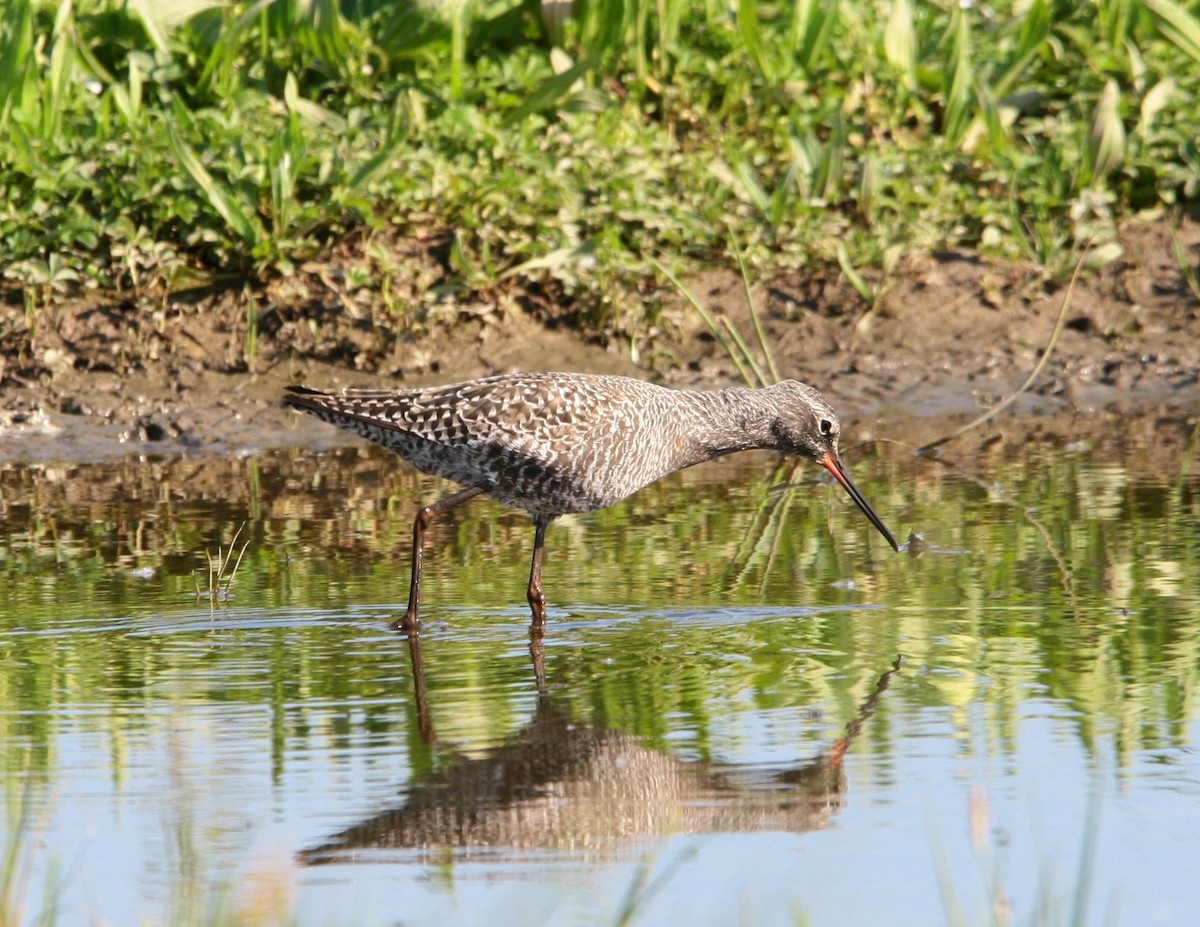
x,y
953,335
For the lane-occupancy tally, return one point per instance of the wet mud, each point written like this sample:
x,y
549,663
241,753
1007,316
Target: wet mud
x,y
952,336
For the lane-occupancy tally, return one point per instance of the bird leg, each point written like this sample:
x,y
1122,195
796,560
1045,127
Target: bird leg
x,y
410,621
537,599
424,724
537,650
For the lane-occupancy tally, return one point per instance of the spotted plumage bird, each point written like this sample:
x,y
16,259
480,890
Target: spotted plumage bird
x,y
553,443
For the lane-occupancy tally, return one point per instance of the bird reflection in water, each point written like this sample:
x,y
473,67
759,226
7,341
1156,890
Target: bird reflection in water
x,y
559,784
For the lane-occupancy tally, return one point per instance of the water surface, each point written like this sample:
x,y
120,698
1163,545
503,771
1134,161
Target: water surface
x,y
752,710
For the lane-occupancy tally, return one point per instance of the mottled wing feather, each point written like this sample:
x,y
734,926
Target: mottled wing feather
x,y
523,439
524,407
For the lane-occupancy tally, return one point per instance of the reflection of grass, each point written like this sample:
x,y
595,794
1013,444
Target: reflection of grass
x,y
767,536
15,868
1050,909
1122,532
204,894
642,888
263,897
17,864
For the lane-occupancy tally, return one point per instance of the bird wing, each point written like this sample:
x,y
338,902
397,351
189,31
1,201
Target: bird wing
x,y
527,411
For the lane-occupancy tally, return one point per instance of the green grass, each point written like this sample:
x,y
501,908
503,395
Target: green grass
x,y
147,146
222,570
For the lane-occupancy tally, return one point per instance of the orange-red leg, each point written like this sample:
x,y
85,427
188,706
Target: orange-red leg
x,y
411,620
537,599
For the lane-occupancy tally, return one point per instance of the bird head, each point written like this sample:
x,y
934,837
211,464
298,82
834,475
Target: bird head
x,y
806,425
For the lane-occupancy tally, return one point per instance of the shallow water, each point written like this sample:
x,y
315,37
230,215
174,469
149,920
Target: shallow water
x,y
752,710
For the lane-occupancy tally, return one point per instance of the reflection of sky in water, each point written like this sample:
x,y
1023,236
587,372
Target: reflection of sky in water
x,y
117,841
172,738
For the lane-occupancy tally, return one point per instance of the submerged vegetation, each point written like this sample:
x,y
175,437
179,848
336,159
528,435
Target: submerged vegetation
x,y
144,146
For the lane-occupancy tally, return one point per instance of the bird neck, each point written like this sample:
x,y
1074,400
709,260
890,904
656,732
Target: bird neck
x,y
730,420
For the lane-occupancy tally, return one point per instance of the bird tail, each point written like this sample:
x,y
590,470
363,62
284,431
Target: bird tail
x,y
304,397
340,408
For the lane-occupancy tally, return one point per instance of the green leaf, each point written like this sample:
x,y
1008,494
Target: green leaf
x,y
1154,101
856,279
1036,28
549,93
751,33
812,27
1177,25
553,260
1106,141
828,177
751,187
958,78
900,41
238,219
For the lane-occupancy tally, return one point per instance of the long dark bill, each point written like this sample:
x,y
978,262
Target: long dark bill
x,y
831,463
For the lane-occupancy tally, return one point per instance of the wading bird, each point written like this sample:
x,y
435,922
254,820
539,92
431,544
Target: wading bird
x,y
553,443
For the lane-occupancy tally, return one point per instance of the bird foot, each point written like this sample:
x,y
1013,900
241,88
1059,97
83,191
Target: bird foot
x,y
409,623
537,607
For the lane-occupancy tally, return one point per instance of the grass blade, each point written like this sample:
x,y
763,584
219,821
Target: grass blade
x,y
758,329
829,171
958,76
812,28
900,41
1177,25
752,188
856,279
1106,141
744,351
1029,381
726,344
1153,103
549,93
751,33
233,214
461,13
1036,27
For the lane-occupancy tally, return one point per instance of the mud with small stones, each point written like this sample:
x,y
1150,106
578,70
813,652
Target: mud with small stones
x,y
953,335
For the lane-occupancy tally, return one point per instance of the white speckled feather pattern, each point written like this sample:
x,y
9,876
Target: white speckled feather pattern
x,y
551,443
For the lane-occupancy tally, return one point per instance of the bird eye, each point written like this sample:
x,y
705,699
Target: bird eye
x,y
826,427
